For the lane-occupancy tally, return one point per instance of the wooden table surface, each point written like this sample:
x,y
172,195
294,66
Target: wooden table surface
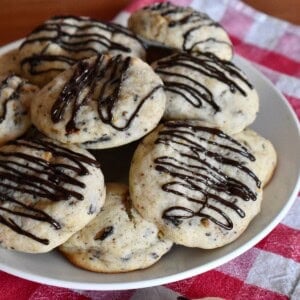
x,y
19,17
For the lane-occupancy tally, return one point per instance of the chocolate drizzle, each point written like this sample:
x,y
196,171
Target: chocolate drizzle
x,y
111,73
36,60
188,87
14,95
72,38
191,20
197,177
35,176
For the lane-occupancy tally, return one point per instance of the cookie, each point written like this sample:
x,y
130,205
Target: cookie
x,y
105,101
9,63
208,89
118,239
182,28
195,183
48,191
62,41
15,97
264,152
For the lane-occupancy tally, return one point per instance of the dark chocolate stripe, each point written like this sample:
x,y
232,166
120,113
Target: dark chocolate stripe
x,y
209,40
189,16
36,60
87,75
208,65
14,96
193,175
36,177
54,31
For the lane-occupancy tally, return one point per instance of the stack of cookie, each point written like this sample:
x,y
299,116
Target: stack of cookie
x,y
197,177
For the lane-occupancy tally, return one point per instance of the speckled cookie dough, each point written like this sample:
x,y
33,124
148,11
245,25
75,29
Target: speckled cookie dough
x,y
118,239
208,89
48,192
61,41
195,183
264,152
105,101
15,97
182,28
9,63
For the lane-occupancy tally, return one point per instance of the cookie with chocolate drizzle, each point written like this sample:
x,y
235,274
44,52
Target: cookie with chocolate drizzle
x,y
118,239
48,191
196,183
61,41
208,89
103,102
183,28
15,98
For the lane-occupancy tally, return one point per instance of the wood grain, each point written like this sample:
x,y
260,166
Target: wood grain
x,y
288,10
19,17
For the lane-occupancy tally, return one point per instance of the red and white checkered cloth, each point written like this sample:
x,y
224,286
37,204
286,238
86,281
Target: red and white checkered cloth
x,y
270,270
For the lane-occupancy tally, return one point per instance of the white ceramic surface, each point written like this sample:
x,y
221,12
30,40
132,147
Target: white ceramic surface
x,y
277,122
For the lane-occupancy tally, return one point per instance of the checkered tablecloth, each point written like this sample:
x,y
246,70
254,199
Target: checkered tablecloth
x,y
270,270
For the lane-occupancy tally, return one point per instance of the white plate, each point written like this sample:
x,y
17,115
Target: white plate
x,y
277,122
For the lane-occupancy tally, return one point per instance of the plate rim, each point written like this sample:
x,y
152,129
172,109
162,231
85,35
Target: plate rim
x,y
185,274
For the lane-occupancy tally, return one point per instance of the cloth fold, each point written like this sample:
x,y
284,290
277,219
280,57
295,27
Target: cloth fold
x,y
273,46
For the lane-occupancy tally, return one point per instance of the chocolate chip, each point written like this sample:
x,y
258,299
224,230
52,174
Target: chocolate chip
x,y
104,233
